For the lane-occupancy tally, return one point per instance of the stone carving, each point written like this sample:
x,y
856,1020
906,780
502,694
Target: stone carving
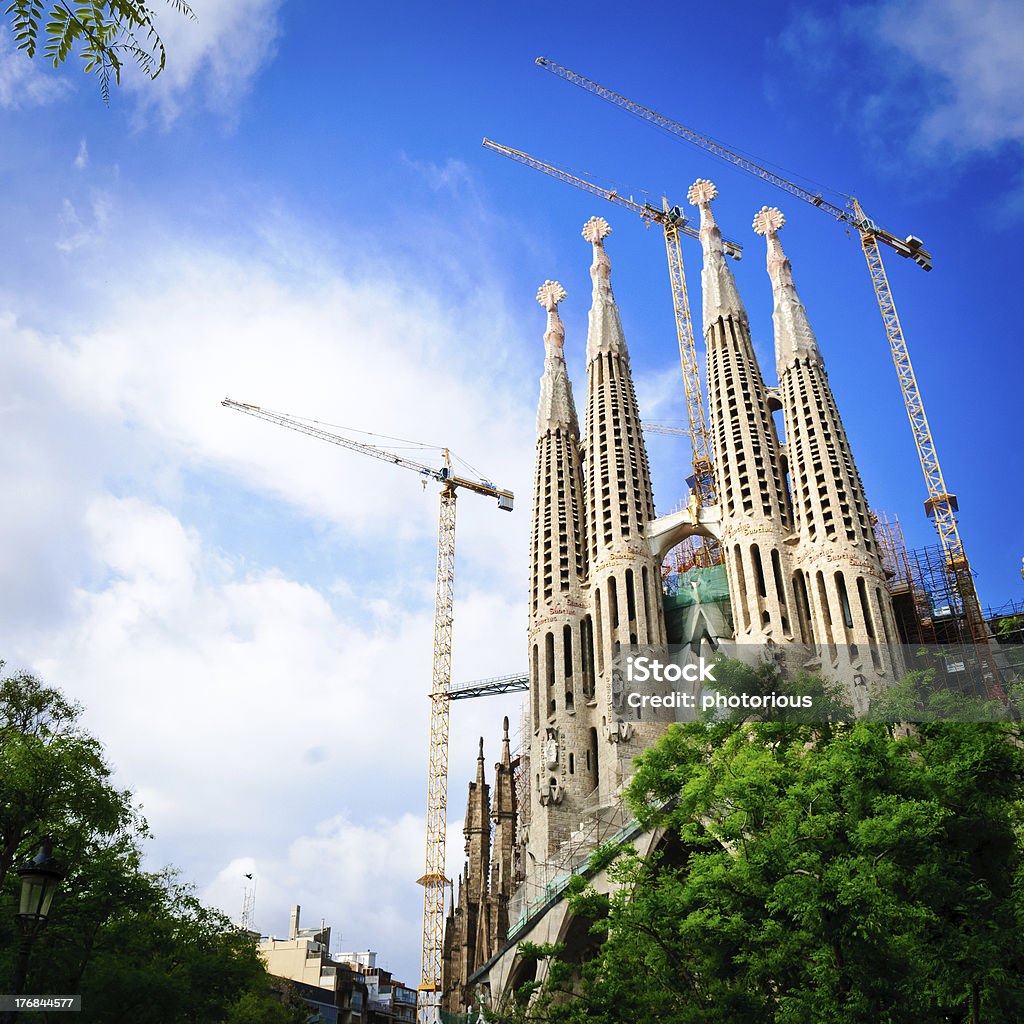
x,y
556,407
769,220
596,230
550,793
550,294
618,731
794,338
551,749
721,297
701,192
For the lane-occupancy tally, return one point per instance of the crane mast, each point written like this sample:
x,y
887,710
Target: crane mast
x,y
433,879
709,552
940,505
673,224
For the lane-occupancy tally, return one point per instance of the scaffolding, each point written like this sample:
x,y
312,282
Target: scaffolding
x,y
942,611
928,606
521,772
911,601
603,821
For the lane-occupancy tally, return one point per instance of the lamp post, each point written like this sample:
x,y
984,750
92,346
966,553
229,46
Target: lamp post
x,y
39,880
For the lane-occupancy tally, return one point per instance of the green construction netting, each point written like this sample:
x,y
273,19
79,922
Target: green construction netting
x,y
709,588
711,585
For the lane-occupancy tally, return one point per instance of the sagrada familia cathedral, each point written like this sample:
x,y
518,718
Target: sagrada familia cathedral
x,y
800,559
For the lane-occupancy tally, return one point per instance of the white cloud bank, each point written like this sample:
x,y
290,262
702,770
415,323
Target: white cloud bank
x,y
260,716
973,49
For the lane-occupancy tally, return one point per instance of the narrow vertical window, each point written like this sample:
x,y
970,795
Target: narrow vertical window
x,y
755,557
549,670
741,584
844,600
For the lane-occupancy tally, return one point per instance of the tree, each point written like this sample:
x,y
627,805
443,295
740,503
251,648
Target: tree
x,y
137,945
103,32
844,873
53,778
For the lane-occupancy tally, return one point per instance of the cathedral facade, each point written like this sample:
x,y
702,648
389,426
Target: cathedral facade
x,y
792,523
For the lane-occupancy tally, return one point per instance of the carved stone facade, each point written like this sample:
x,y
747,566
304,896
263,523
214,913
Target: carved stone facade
x,y
478,920
594,580
804,575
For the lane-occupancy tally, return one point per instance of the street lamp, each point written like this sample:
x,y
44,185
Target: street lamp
x,y
39,880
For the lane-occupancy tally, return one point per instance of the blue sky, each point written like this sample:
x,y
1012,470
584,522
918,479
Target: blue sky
x,y
299,214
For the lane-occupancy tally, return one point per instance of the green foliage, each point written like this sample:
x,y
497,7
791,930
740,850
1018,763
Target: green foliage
x,y
103,32
604,855
848,873
825,700
53,778
1009,627
136,945
917,698
539,951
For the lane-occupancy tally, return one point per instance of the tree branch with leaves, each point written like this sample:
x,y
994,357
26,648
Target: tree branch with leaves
x,y
106,34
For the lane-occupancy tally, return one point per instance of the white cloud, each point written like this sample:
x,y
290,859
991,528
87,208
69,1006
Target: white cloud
x,y
368,352
357,876
185,663
211,60
452,176
246,705
658,394
244,710
973,50
24,81
81,160
82,229
935,78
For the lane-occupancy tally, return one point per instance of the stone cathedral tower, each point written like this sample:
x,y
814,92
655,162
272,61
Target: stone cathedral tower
x,y
755,508
561,638
842,604
595,585
477,923
624,576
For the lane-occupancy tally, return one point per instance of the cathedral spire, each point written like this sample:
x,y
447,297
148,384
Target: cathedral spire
x,y
794,338
841,602
605,333
721,297
477,830
556,408
506,756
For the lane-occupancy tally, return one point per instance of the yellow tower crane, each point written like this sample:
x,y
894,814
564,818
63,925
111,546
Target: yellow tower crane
x,y
433,880
673,223
940,505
